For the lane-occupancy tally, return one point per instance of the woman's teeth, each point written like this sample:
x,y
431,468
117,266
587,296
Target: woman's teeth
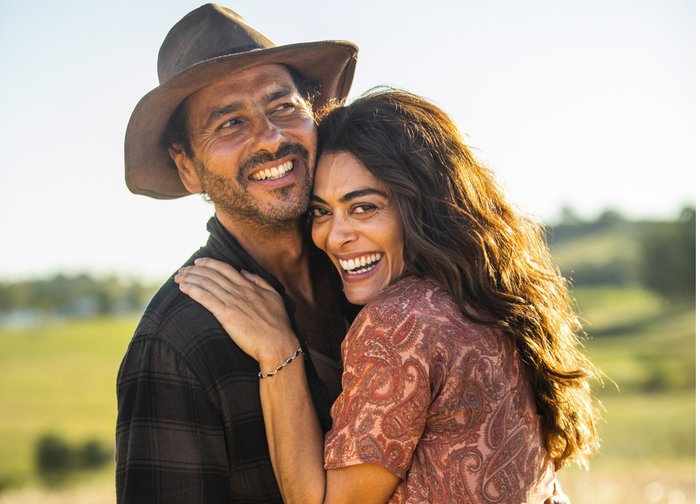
x,y
273,173
360,264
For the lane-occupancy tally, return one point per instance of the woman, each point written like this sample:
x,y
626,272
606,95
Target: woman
x,y
463,380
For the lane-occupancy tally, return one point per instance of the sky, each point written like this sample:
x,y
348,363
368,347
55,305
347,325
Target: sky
x,y
586,104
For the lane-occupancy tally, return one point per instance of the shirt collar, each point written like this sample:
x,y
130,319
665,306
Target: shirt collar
x,y
226,248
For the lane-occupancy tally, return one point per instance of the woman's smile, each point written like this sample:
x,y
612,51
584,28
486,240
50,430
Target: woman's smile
x,y
360,264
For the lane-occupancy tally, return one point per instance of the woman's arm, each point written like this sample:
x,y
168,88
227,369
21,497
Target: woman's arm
x,y
294,435
253,314
296,448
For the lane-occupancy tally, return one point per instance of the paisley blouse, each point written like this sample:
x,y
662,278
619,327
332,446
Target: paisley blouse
x,y
443,403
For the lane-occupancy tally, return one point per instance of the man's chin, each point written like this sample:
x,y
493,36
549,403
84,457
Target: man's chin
x,y
275,218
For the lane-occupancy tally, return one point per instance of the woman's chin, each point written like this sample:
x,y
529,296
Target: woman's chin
x,y
362,288
361,295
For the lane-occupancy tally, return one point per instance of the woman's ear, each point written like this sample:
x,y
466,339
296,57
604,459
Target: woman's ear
x,y
185,168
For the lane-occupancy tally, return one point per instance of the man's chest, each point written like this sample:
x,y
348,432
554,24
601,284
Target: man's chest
x,y
323,326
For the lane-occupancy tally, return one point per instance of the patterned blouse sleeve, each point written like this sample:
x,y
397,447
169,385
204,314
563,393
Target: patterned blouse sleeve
x,y
381,413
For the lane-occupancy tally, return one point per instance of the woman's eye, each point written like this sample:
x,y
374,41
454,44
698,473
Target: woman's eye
x,y
318,212
363,209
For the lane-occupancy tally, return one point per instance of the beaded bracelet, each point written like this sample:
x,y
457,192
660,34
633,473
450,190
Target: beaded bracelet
x,y
262,375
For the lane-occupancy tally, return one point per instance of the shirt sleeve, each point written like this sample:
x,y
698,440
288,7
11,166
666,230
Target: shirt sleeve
x,y
170,441
381,412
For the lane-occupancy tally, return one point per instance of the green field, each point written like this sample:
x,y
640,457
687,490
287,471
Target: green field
x,y
60,378
646,347
57,378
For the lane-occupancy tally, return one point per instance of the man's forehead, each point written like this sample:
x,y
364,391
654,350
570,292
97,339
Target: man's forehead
x,y
249,83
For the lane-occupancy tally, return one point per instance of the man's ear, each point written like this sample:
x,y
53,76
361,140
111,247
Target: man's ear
x,y
185,168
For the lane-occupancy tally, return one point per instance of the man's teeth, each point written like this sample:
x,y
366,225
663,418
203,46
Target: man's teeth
x,y
360,264
274,172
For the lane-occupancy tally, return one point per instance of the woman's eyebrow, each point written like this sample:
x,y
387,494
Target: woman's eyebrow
x,y
352,195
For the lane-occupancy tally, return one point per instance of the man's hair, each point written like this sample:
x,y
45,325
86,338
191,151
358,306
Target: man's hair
x,y
460,231
176,131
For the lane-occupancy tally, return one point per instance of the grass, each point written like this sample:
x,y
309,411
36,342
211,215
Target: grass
x,y
648,431
656,428
61,379
640,342
57,379
605,308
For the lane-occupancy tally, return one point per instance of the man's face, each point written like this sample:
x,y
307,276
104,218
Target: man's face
x,y
253,141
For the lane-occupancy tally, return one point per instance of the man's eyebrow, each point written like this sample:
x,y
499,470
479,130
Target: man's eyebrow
x,y
352,195
280,93
222,111
236,106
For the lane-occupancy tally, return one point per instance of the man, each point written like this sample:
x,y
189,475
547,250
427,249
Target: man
x,y
231,118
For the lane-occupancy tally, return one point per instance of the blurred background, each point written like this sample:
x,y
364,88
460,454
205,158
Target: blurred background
x,y
585,112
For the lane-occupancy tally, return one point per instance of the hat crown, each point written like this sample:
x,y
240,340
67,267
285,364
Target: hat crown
x,y
205,33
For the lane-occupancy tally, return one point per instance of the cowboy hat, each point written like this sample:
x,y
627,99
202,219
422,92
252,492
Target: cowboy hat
x,y
208,44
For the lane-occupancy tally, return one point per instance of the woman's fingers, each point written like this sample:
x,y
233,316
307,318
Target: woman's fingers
x,y
225,270
250,310
223,303
203,296
225,274
209,280
243,303
257,280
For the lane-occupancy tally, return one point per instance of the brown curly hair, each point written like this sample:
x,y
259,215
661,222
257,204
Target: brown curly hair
x,y
460,230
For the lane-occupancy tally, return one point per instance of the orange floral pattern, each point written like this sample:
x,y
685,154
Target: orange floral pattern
x,y
443,403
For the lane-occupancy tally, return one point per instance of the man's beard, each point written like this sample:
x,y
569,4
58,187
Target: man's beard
x,y
234,199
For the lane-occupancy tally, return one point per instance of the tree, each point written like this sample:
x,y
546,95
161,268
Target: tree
x,y
668,265
53,459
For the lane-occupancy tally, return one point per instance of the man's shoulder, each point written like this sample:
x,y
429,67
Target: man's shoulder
x,y
177,331
190,332
174,317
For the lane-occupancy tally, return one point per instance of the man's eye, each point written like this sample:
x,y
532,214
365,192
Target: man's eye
x,y
231,123
285,107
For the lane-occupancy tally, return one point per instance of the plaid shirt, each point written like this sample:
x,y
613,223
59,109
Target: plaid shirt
x,y
190,427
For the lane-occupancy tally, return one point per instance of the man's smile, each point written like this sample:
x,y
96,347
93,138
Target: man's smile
x,y
272,173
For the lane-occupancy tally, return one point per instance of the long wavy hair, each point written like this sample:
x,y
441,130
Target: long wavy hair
x,y
460,231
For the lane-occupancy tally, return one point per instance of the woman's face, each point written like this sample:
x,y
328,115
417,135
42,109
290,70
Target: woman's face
x,y
357,224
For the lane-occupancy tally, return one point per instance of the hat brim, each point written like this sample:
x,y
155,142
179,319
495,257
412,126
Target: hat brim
x,y
149,169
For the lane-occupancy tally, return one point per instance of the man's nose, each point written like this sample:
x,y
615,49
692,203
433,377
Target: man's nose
x,y
266,135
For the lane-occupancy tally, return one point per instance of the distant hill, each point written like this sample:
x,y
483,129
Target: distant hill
x,y
599,253
613,250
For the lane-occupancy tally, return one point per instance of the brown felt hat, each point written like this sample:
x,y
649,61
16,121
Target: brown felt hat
x,y
208,44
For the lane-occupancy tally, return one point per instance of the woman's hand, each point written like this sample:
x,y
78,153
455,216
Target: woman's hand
x,y
250,310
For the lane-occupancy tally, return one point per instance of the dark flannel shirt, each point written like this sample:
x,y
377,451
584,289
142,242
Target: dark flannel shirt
x,y
190,426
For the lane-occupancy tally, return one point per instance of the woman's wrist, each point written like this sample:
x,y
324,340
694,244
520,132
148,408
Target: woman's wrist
x,y
281,349
267,374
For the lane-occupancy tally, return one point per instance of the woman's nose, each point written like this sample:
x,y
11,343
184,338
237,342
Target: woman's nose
x,y
341,232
